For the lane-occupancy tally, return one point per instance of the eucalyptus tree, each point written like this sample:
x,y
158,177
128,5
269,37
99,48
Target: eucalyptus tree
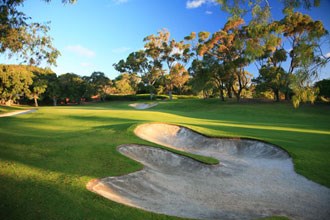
x,y
294,40
139,63
229,47
302,35
170,57
260,10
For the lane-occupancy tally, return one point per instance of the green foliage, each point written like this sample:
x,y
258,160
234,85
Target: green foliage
x,y
14,82
98,84
324,87
229,48
260,9
127,83
27,40
302,92
273,78
72,87
171,54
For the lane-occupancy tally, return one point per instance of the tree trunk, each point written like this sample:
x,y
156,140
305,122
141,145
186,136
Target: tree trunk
x,y
238,96
170,95
277,95
35,101
287,96
54,101
151,95
221,96
229,91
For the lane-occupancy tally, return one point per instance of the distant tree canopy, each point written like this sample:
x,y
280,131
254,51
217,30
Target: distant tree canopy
x,y
17,81
324,87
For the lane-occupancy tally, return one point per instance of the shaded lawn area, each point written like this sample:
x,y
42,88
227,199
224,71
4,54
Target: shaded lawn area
x,y
6,109
47,157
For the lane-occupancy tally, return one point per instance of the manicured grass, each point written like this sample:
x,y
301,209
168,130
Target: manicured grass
x,y
6,109
47,157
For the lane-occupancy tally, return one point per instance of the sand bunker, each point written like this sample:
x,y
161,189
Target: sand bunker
x,y
143,105
253,179
20,112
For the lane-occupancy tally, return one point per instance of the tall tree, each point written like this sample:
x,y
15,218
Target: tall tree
x,y
99,84
139,63
40,83
72,87
169,56
53,90
14,82
229,47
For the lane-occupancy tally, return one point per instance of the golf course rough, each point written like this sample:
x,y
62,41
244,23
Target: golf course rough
x,y
253,180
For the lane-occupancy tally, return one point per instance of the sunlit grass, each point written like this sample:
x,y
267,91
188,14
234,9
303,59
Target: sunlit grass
x,y
6,109
47,157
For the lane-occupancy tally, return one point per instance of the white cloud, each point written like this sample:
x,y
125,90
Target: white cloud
x,y
208,12
120,50
194,3
86,64
197,3
327,55
118,2
80,50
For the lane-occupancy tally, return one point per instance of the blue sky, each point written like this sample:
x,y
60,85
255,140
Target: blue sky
x,y
93,35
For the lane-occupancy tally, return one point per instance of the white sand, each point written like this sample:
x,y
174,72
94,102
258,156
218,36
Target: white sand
x,y
143,105
253,179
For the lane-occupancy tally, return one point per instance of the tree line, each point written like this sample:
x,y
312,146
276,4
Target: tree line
x,y
287,54
20,83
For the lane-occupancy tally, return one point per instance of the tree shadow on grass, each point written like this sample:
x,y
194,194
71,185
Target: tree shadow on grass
x,y
35,199
90,151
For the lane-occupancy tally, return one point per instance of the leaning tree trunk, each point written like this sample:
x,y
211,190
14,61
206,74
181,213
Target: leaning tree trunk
x,y
35,101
